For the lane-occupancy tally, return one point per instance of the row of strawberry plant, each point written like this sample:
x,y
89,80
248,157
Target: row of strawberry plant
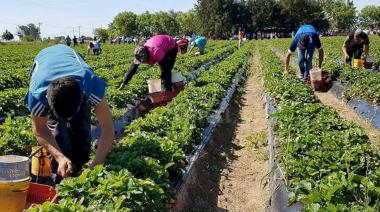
x,y
11,101
154,150
358,82
328,163
21,56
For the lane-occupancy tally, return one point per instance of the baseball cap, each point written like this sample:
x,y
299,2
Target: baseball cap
x,y
304,41
140,55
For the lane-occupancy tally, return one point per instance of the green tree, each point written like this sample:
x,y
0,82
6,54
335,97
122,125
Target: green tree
x,y
265,14
124,23
343,17
298,12
370,17
28,32
188,22
216,17
164,23
144,22
341,14
101,33
7,35
241,16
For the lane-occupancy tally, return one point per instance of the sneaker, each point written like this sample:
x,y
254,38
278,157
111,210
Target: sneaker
x,y
300,76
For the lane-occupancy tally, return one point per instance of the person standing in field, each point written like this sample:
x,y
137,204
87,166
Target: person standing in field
x,y
240,36
354,45
61,92
161,49
306,40
68,40
199,42
75,41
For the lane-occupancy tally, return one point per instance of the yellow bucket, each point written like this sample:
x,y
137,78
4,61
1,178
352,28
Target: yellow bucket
x,y
13,195
41,164
358,63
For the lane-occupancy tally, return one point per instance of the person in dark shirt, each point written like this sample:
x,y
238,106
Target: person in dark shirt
x,y
354,45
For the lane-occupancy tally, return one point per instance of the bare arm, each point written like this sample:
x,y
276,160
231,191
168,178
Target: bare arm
x,y
344,49
321,56
287,60
104,117
47,140
366,50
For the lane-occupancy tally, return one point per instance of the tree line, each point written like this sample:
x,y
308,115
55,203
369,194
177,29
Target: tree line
x,y
222,18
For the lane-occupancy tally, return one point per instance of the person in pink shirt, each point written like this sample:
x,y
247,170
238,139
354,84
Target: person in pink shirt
x,y
161,49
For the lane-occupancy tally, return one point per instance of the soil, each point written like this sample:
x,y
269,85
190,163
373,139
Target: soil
x,y
231,172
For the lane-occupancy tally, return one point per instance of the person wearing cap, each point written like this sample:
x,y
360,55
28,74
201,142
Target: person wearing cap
x,y
199,42
354,44
306,40
61,91
161,49
183,43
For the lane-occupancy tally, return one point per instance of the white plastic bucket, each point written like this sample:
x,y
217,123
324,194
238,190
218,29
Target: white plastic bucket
x,y
316,74
154,85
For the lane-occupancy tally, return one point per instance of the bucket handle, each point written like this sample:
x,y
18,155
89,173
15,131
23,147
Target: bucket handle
x,y
35,152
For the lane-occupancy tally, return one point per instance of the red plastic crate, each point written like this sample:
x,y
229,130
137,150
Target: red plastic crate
x,y
162,98
40,193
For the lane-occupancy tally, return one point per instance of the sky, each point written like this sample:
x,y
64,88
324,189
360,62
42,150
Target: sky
x,y
63,17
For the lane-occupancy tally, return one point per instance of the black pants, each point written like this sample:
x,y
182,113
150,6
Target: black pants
x,y
73,138
166,66
354,53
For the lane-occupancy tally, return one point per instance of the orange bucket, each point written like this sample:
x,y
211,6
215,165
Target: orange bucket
x,y
13,195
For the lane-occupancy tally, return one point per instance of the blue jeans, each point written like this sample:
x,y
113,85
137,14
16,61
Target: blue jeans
x,y
305,56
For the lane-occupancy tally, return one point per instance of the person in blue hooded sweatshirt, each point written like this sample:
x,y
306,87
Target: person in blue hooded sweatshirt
x,y
61,92
306,40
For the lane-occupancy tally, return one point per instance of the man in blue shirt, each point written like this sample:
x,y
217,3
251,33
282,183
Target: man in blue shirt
x,y
62,89
306,40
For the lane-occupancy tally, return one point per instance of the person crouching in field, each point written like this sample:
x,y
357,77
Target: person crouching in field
x,y
183,43
306,40
161,49
61,91
353,46
199,42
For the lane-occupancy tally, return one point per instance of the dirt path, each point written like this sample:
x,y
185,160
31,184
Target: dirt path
x,y
343,109
241,186
348,114
231,173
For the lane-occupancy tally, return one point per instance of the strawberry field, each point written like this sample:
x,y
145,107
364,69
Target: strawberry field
x,y
318,160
